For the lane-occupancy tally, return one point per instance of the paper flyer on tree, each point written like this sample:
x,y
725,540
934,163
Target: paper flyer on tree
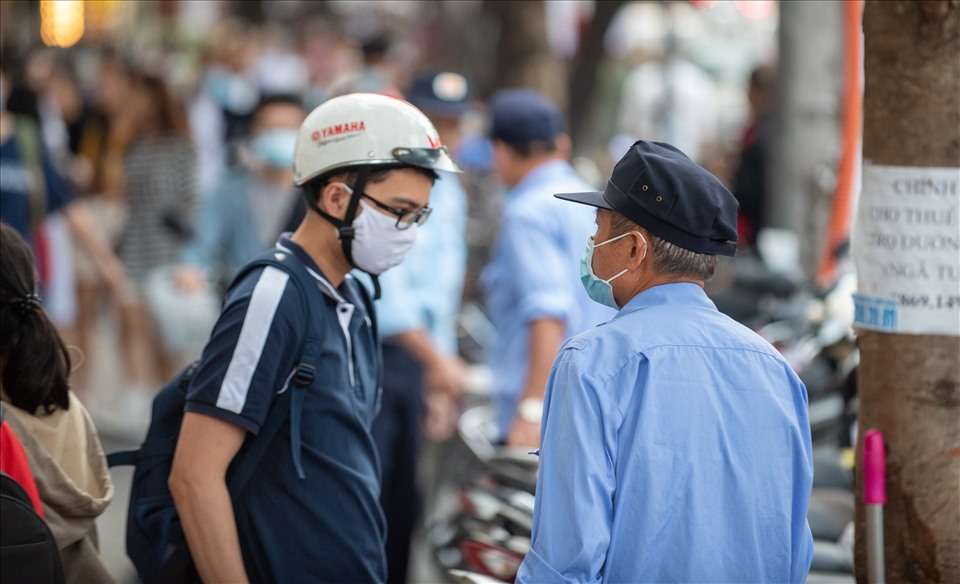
x,y
906,247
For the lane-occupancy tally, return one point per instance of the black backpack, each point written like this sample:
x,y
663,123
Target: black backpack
x,y
155,541
28,550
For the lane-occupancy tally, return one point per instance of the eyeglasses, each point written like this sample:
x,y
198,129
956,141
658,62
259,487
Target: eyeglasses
x,y
405,217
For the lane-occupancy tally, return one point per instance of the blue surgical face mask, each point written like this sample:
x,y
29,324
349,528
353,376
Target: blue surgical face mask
x,y
598,289
230,91
276,147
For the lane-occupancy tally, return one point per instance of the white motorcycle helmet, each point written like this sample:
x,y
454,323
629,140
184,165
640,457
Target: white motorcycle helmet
x,y
363,132
366,129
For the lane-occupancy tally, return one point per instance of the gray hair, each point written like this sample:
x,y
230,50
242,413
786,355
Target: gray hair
x,y
670,259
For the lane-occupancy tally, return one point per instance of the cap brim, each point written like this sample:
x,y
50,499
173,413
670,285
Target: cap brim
x,y
592,198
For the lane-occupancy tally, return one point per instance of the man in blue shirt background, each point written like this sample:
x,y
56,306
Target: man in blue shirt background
x,y
675,442
418,323
533,295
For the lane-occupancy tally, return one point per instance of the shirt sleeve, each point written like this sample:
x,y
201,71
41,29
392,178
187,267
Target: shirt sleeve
x,y
575,488
535,259
251,352
398,309
207,242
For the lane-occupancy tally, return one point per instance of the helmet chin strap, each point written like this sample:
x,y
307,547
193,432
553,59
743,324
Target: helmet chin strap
x,y
345,230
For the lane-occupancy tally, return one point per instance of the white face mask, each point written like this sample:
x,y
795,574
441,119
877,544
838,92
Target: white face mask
x,y
377,243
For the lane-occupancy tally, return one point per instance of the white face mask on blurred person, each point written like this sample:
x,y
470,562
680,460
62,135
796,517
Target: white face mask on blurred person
x,y
378,244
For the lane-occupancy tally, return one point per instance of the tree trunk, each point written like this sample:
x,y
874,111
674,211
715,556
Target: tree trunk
x,y
583,73
909,385
524,58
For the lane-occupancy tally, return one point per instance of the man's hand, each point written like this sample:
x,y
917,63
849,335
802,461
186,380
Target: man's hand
x,y
546,336
86,231
114,276
189,278
524,433
442,415
445,374
205,448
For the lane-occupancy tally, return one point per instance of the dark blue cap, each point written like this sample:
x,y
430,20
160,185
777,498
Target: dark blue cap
x,y
657,187
519,116
440,93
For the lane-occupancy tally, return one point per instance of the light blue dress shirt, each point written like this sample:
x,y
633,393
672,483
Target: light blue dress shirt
x,y
534,273
424,291
675,448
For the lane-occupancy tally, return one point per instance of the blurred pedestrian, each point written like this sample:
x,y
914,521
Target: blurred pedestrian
x,y
62,110
56,431
33,196
98,183
667,97
311,512
676,442
244,215
220,110
159,190
533,292
375,74
252,206
750,177
418,324
279,69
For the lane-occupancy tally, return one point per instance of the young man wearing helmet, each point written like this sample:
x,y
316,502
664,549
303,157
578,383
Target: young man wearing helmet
x,y
366,163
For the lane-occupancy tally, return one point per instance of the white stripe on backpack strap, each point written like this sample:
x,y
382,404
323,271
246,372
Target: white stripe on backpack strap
x,y
253,335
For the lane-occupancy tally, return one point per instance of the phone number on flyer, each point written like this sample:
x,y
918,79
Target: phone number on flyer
x,y
935,301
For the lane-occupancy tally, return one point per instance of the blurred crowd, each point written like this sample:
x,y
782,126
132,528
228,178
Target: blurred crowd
x,y
160,185
154,194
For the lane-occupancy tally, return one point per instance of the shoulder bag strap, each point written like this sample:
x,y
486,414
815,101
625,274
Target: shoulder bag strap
x,y
290,401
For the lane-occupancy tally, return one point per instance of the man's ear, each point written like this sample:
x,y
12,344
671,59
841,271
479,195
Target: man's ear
x,y
334,199
639,250
564,146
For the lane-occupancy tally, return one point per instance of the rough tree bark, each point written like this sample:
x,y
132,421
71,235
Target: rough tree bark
x,y
584,69
909,385
524,58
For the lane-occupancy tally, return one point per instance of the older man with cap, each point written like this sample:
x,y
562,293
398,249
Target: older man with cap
x,y
675,442
533,295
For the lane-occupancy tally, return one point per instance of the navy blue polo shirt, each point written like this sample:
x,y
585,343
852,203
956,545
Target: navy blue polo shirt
x,y
328,526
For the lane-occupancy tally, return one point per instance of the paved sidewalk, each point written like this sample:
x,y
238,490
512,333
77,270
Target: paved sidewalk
x,y
105,387
112,524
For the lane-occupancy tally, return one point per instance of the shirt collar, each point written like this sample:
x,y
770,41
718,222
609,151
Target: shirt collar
x,y
539,174
676,293
287,244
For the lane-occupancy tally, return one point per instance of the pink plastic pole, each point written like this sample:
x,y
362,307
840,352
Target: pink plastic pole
x,y
875,496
